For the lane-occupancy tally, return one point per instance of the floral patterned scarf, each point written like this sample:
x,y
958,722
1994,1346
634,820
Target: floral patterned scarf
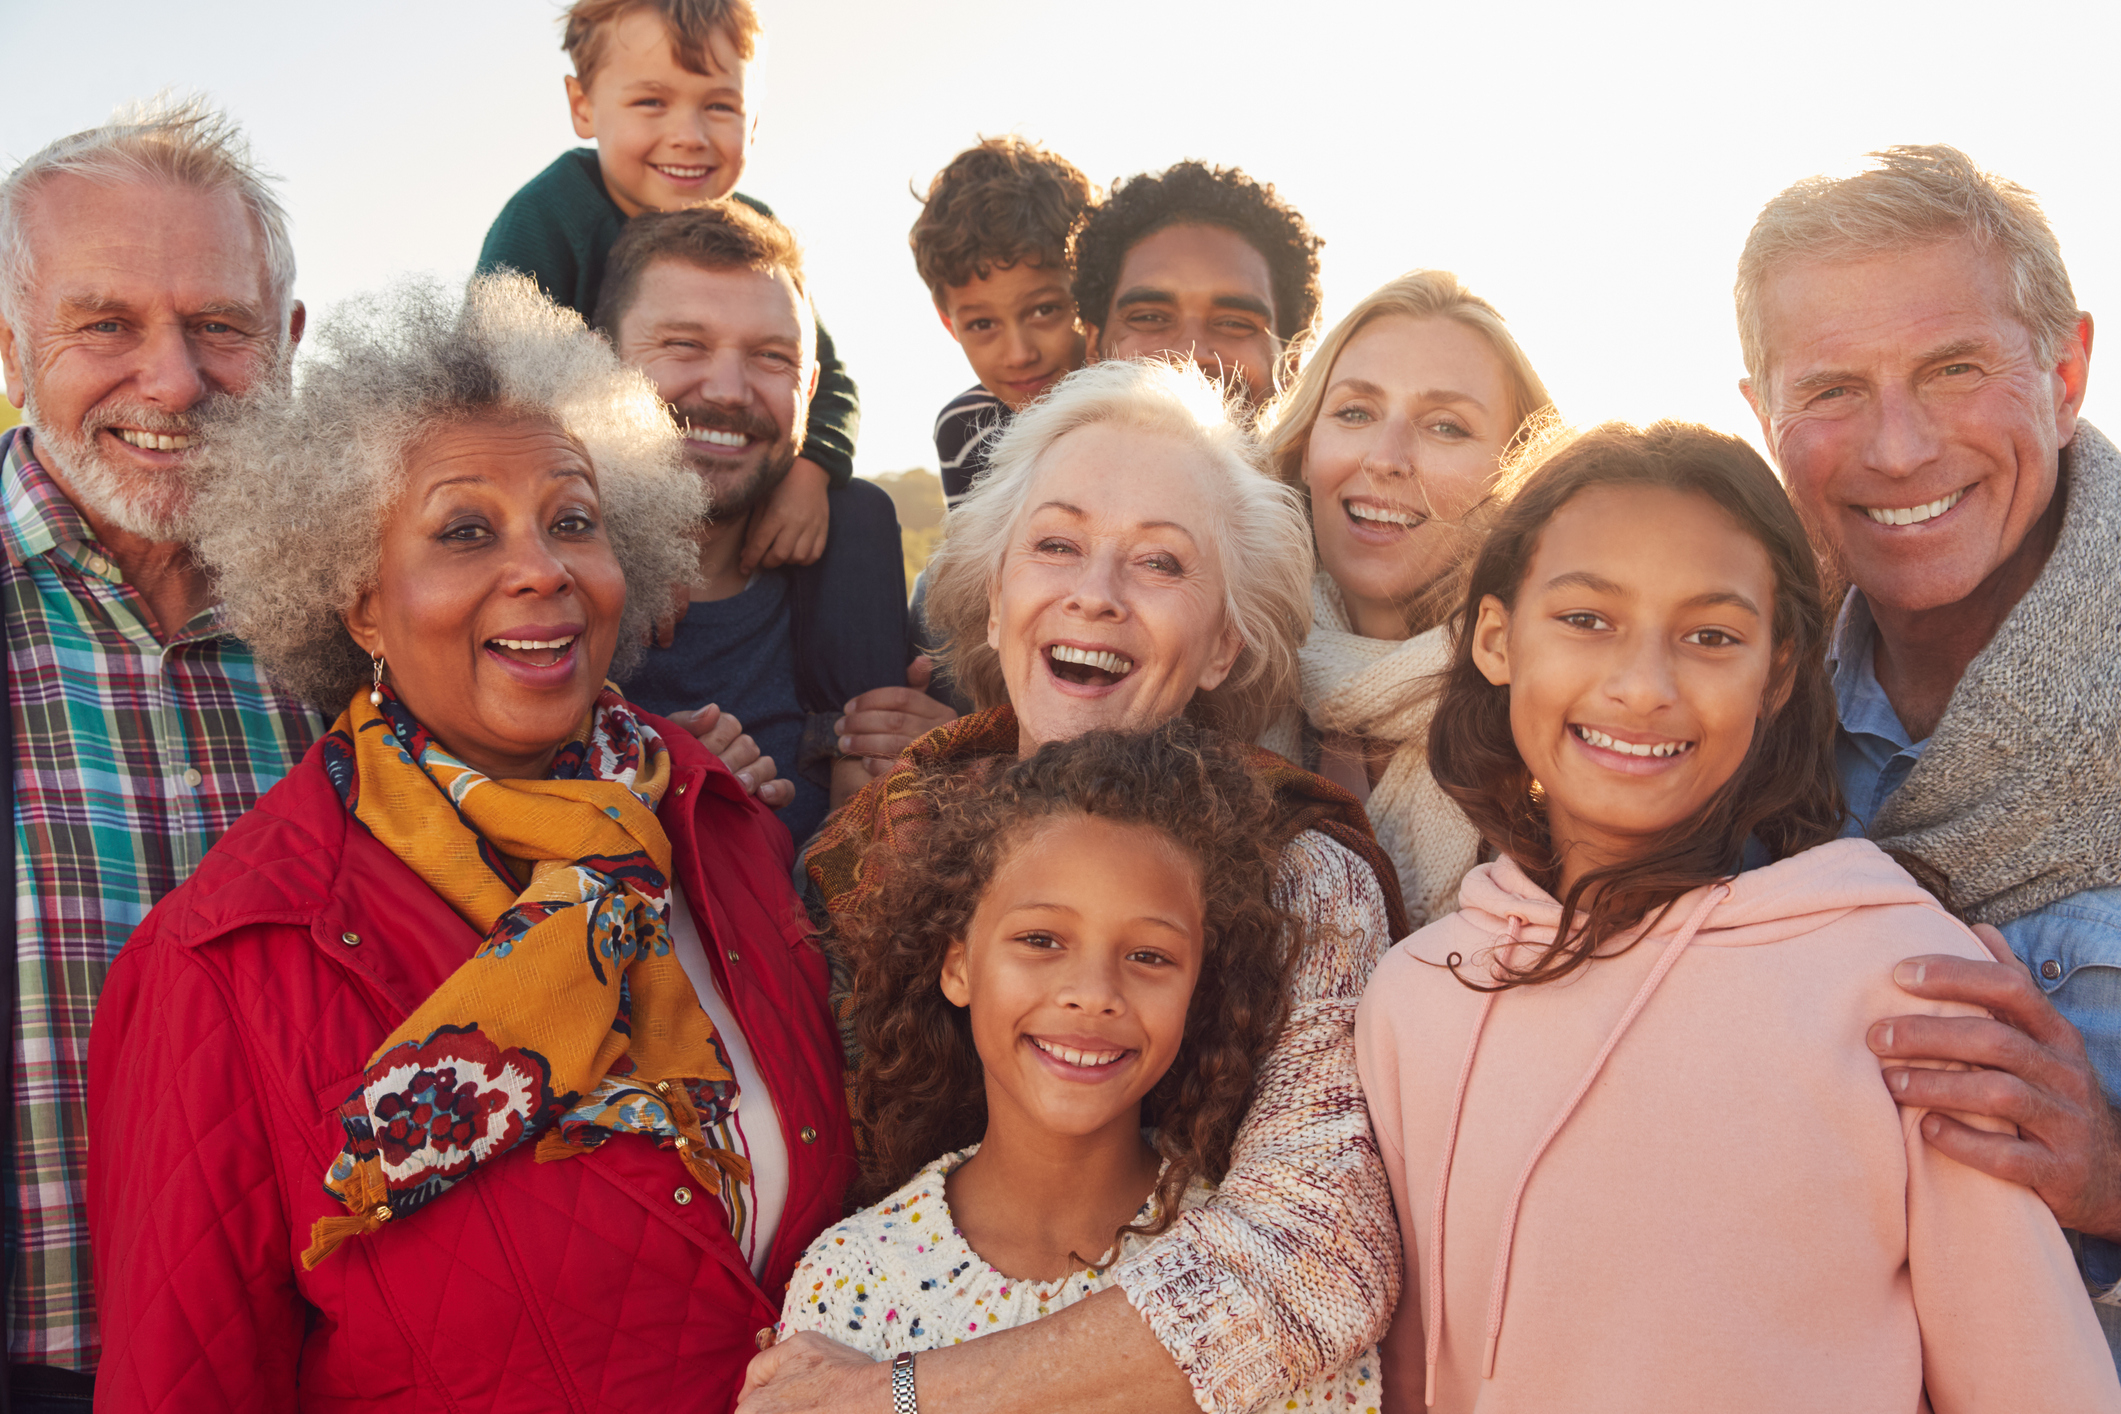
x,y
573,1020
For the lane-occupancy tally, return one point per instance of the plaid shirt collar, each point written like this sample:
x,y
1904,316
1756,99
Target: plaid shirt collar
x,y
37,519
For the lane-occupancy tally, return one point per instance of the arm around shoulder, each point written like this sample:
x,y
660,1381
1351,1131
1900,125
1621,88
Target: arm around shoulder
x,y
1294,1267
193,1253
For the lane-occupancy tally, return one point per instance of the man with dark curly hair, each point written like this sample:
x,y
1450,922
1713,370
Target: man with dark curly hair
x,y
1199,261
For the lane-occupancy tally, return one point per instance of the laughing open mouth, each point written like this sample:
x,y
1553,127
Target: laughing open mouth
x,y
537,652
1591,736
1914,515
151,441
1087,667
1088,1060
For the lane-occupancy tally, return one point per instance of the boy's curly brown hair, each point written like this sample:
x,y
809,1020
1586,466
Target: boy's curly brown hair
x,y
920,1091
1004,201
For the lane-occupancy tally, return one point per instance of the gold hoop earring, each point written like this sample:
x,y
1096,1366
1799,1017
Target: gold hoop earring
x,y
375,694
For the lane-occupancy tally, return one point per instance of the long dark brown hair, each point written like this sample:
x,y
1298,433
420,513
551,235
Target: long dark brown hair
x,y
920,1092
1785,794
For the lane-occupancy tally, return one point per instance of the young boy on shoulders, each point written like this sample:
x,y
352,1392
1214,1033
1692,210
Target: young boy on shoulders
x,y
992,243
660,86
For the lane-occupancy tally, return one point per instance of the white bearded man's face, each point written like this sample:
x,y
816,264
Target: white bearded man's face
x,y
149,308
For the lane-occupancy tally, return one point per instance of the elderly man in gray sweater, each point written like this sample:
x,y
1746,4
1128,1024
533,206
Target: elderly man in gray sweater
x,y
1917,361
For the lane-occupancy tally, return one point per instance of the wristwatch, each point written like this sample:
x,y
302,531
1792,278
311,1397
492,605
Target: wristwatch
x,y
902,1400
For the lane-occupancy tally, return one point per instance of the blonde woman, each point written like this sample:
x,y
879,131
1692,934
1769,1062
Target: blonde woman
x,y
1395,432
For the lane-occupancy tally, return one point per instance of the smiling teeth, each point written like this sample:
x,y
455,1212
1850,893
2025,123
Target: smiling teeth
x,y
152,441
688,173
522,643
1093,658
1382,516
714,437
1913,515
1631,748
1068,1055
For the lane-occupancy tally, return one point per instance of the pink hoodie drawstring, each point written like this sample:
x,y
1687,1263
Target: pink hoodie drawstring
x,y
1499,1283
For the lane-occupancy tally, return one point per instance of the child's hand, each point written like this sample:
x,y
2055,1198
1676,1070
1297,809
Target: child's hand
x,y
884,721
722,734
790,529
808,1372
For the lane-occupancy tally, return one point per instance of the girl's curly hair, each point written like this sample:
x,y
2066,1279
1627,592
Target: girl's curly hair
x,y
920,1090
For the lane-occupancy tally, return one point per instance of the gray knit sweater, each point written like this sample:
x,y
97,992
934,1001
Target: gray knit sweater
x,y
2017,797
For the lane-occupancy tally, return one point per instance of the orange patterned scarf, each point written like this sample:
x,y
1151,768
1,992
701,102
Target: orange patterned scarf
x,y
573,1020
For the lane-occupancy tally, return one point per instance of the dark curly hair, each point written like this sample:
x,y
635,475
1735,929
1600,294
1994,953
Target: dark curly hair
x,y
920,1091
1004,201
1785,794
1212,196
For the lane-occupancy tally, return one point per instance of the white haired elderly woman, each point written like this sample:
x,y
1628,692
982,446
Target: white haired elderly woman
x,y
486,1063
1127,560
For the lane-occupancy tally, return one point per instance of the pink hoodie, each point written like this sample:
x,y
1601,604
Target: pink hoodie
x,y
1677,1182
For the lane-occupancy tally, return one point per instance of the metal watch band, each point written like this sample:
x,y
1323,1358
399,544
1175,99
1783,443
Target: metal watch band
x,y
902,1400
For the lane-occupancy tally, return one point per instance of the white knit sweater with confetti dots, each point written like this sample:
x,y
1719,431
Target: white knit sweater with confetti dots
x,y
900,1276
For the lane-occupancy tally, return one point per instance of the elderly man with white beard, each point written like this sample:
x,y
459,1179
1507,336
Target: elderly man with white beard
x,y
145,276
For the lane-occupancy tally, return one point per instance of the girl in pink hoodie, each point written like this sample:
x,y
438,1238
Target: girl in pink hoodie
x,y
1642,1158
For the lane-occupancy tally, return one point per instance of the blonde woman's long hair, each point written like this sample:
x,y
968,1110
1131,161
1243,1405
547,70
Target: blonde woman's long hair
x,y
1285,425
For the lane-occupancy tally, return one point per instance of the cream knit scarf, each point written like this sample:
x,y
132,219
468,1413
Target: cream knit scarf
x,y
2017,797
1371,687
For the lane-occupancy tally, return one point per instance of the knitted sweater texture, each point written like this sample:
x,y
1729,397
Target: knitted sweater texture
x,y
2017,797
1374,687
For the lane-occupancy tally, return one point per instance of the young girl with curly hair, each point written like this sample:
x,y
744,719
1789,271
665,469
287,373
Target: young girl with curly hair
x,y
1643,1157
1064,997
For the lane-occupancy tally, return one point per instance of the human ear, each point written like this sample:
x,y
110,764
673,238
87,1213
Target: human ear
x,y
1093,343
2072,372
1754,399
297,321
11,361
585,122
1225,658
362,624
956,985
949,326
1491,641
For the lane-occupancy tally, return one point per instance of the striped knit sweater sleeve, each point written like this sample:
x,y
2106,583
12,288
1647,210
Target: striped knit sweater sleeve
x,y
1294,1267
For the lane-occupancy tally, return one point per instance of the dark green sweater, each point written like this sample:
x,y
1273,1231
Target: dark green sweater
x,y
560,228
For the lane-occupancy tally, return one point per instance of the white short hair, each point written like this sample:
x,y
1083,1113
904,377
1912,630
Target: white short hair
x,y
1911,196
178,142
1261,536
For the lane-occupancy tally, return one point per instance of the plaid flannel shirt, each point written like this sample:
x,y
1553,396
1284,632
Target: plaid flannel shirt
x,y
132,756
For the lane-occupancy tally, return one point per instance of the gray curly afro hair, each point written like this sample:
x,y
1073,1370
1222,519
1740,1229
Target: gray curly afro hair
x,y
295,486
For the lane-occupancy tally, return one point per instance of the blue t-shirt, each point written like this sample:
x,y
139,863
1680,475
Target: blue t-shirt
x,y
739,653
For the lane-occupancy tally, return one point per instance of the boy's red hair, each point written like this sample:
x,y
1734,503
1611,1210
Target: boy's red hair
x,y
692,23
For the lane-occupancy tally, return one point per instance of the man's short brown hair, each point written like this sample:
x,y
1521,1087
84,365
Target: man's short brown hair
x,y
692,24
720,235
1005,201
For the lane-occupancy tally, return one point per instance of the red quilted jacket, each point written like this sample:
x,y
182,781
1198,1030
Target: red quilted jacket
x,y
235,1022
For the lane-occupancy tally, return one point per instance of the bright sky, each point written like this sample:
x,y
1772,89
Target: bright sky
x,y
1592,169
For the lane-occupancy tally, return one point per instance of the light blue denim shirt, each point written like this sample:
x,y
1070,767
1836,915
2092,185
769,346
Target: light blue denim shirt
x,y
2073,945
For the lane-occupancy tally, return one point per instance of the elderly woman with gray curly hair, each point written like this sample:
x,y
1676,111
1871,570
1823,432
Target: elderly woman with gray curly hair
x,y
487,1062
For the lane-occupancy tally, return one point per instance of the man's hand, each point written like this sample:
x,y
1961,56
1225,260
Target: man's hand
x,y
790,528
2034,1074
884,721
808,1372
723,735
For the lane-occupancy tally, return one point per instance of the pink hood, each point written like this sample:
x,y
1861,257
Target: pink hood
x,y
1792,898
